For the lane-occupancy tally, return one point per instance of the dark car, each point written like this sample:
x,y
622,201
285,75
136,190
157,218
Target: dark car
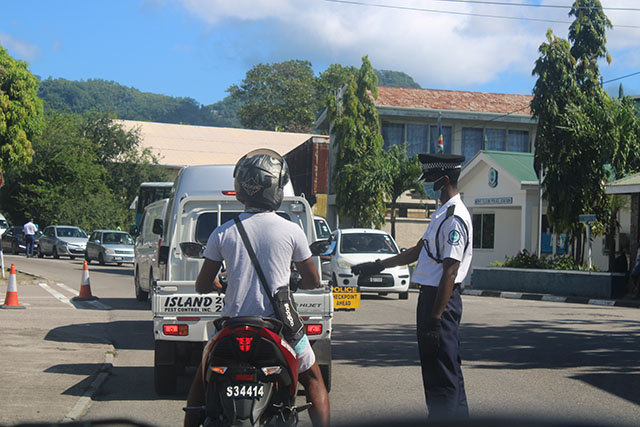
x,y
13,241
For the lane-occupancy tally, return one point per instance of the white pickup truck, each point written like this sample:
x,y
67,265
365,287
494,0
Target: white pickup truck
x,y
202,199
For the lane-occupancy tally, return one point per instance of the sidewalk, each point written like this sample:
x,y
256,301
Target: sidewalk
x,y
631,303
53,352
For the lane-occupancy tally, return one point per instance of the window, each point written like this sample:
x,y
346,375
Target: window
x,y
496,139
353,243
471,142
417,139
392,133
434,134
483,231
518,141
207,222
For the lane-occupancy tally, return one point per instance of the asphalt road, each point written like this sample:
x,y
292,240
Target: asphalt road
x,y
521,358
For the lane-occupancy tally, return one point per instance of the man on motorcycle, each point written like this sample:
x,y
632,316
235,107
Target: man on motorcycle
x,y
259,178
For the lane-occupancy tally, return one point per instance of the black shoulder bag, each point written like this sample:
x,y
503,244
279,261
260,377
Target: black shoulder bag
x,y
282,301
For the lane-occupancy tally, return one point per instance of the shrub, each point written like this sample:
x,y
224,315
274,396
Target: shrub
x,y
524,259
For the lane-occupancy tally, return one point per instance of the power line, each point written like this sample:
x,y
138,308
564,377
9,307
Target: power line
x,y
554,6
451,12
623,77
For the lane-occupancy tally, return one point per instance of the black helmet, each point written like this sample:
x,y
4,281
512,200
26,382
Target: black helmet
x,y
259,177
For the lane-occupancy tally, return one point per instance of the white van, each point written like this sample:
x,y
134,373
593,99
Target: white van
x,y
203,198
147,245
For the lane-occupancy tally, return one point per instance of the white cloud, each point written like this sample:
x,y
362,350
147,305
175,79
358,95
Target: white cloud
x,y
21,49
437,49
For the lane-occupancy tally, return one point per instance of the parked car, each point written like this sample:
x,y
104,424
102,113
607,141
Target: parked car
x,y
13,240
4,225
109,246
352,246
65,240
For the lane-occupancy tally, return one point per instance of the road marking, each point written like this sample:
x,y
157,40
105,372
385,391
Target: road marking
x,y
67,288
56,294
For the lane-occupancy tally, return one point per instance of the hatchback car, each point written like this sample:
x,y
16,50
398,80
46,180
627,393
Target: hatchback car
x,y
109,246
57,240
13,240
352,246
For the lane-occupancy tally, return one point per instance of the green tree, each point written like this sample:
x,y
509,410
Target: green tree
x,y
76,177
275,96
587,34
20,111
361,174
404,172
330,81
582,133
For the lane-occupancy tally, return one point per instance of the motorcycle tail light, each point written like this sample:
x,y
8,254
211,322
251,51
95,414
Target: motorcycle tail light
x,y
219,369
313,329
178,330
244,343
244,377
271,370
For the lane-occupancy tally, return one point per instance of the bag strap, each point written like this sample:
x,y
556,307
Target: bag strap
x,y
254,260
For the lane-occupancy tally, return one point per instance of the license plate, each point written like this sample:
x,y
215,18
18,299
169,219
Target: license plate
x,y
245,391
118,258
376,279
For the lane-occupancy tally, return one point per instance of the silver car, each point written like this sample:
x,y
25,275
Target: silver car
x,y
67,240
113,246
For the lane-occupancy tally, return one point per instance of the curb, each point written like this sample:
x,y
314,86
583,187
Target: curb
x,y
84,402
552,298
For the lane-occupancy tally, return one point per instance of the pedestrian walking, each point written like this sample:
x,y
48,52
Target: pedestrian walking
x,y
443,256
29,230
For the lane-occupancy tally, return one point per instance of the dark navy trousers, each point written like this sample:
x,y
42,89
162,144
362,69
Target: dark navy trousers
x,y
441,372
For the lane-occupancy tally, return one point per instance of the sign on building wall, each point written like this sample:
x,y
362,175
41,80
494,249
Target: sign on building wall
x,y
494,201
493,178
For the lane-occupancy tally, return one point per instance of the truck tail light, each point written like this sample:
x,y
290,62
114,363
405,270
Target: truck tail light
x,y
313,329
176,330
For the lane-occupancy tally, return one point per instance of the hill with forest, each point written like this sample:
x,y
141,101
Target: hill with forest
x,y
132,104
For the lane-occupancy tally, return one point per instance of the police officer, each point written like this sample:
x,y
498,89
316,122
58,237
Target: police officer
x,y
444,256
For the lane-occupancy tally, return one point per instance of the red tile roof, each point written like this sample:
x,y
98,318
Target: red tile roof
x,y
453,100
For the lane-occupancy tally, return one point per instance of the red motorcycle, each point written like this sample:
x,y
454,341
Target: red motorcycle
x,y
251,375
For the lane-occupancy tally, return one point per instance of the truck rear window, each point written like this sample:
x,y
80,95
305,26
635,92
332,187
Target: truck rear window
x,y
207,222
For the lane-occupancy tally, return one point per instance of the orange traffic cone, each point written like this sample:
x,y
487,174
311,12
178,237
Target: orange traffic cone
x,y
85,286
11,300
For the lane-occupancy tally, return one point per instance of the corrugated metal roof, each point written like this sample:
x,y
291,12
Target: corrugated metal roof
x,y
519,165
453,100
186,145
627,180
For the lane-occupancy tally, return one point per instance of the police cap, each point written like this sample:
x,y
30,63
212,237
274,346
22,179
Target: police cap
x,y
437,164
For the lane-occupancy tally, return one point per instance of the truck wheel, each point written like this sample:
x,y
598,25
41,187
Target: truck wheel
x,y
140,294
326,375
403,295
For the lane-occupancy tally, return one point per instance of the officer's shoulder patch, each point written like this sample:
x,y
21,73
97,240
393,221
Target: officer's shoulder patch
x,y
454,238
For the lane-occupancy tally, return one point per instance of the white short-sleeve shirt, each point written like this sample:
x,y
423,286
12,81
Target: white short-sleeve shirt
x,y
455,240
276,242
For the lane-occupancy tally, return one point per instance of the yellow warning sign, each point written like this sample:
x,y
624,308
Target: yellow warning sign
x,y
343,299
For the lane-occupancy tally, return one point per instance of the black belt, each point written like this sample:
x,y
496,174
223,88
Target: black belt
x,y
426,287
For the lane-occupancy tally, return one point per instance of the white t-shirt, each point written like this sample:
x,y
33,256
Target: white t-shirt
x,y
453,239
276,242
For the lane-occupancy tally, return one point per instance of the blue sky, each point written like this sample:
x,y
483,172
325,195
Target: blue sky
x,y
198,48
